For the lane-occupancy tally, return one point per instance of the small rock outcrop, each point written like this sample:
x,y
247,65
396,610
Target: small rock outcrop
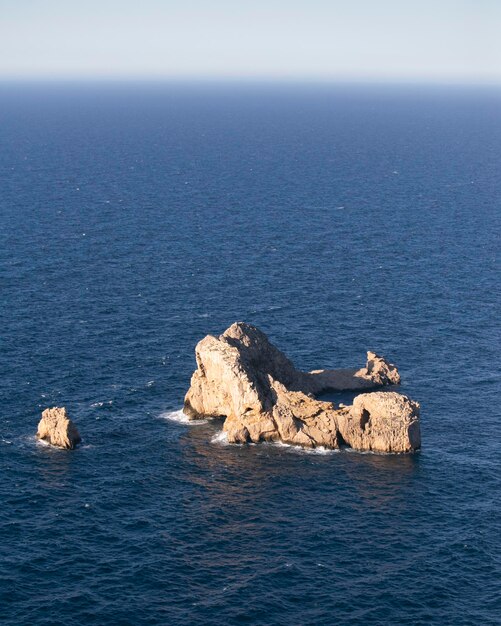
x,y
385,421
56,428
241,376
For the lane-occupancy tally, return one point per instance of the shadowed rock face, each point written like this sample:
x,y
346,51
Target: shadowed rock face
x,y
244,378
56,428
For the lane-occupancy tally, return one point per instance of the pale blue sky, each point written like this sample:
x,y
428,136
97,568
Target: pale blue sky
x,y
436,40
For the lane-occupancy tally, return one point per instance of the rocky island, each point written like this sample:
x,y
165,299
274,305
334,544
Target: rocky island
x,y
56,428
242,377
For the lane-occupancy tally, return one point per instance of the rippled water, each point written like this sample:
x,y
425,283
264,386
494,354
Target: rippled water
x,y
137,219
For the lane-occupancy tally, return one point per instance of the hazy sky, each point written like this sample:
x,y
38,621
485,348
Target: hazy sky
x,y
458,40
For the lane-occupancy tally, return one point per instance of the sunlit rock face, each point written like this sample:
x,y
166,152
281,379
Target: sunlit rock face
x,y
56,428
241,376
383,421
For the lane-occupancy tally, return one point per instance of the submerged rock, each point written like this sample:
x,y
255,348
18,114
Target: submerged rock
x,y
56,428
241,376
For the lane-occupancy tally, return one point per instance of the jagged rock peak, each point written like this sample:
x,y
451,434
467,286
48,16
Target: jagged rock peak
x,y
379,370
56,428
258,352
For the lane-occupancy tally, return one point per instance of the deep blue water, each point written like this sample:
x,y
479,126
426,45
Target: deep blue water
x,y
135,220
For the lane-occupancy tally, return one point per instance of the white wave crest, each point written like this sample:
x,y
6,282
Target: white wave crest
x,y
319,450
98,405
300,449
179,417
220,438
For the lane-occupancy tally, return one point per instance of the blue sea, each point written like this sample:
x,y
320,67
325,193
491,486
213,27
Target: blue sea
x,y
136,219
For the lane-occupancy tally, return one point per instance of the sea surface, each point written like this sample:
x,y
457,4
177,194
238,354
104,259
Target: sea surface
x,y
136,219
